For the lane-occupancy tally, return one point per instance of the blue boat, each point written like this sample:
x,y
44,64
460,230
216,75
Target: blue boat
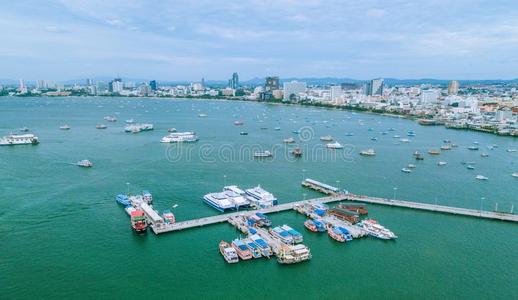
x,y
123,199
297,237
282,234
263,246
319,225
347,234
254,248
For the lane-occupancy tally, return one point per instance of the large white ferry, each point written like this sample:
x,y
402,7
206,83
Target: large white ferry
x,y
219,201
374,229
179,137
260,198
19,139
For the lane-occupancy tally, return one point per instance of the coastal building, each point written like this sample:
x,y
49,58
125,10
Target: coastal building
x,y
233,83
153,85
115,86
293,89
453,87
374,87
271,83
429,96
41,84
336,94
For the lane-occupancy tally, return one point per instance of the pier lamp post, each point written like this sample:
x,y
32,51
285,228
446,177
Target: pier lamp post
x,y
303,174
127,187
338,184
481,200
224,180
304,196
395,190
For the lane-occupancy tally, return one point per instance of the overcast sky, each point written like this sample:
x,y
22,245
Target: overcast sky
x,y
189,39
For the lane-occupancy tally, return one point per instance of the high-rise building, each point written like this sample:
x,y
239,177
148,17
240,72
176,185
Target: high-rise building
x,y
22,85
89,82
153,85
233,83
203,82
293,89
271,83
374,87
453,87
116,85
429,96
41,85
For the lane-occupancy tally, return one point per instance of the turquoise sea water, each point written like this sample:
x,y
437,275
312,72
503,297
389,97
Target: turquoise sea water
x,y
63,235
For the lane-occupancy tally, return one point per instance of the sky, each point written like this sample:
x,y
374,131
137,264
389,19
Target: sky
x,y
190,39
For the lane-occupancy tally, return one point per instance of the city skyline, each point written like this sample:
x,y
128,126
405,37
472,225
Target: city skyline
x,y
186,41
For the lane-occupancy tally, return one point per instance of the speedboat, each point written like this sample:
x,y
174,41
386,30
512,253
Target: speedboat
x,y
445,147
101,126
441,163
64,127
228,252
85,163
470,167
406,170
515,175
511,150
481,177
289,140
335,145
473,147
297,152
168,217
277,128
263,154
24,129
411,166
326,138
433,152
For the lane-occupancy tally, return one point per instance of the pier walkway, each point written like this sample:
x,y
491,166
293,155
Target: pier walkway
x,y
162,227
436,208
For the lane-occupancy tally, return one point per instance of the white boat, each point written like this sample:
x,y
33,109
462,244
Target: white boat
x,y
228,252
368,152
19,139
110,119
135,128
179,137
64,127
515,175
129,121
441,163
406,170
237,196
85,163
326,138
376,230
101,126
404,140
484,154
481,177
260,198
289,140
411,166
202,115
263,154
511,150
219,201
335,145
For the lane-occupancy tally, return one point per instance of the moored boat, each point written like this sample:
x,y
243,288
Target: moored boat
x,y
19,139
138,221
168,217
242,250
228,252
336,234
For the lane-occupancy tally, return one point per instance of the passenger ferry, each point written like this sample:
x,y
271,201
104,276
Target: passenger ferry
x,y
219,201
336,234
180,137
283,235
297,237
259,219
315,225
237,196
242,250
228,253
138,221
260,198
347,235
265,249
19,139
293,254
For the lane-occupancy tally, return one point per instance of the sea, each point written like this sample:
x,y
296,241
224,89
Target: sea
x,y
63,236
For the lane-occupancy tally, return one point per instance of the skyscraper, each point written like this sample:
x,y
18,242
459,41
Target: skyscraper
x,y
453,87
271,83
374,87
233,83
153,85
336,93
115,86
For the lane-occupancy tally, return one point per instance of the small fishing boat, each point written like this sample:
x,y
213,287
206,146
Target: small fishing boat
x,y
297,152
433,152
101,126
64,127
238,123
374,138
335,145
243,133
326,138
368,152
242,250
406,170
484,154
481,177
441,163
289,140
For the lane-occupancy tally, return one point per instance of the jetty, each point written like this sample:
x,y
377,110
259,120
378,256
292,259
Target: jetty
x,y
158,226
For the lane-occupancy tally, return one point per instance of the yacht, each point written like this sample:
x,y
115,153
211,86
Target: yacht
x,y
19,139
515,175
376,230
101,126
260,198
228,252
64,127
368,152
481,177
178,137
441,163
335,145
263,154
